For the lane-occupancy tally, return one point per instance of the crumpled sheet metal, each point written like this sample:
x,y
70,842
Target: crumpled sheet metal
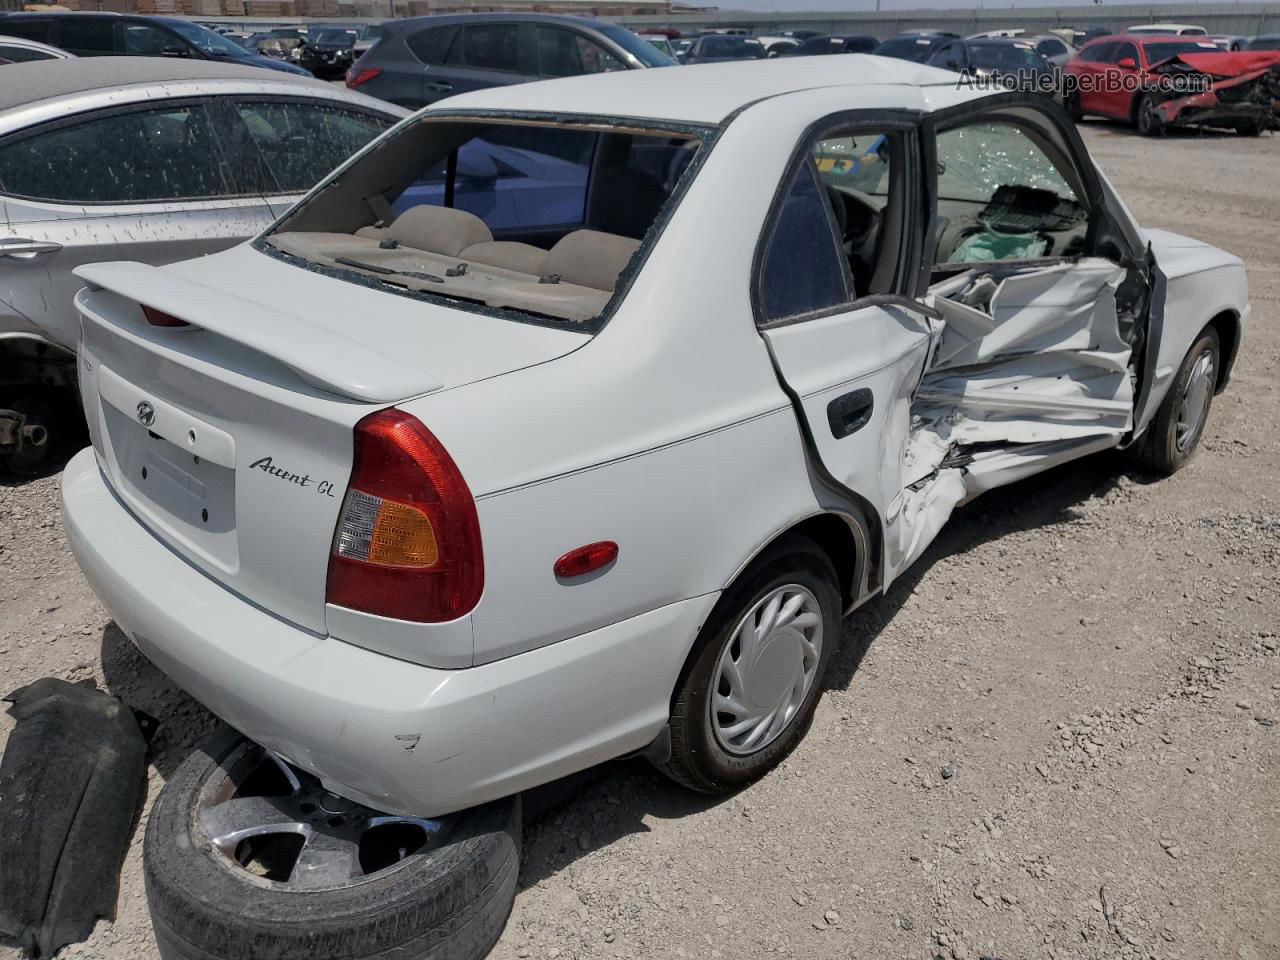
x,y
72,781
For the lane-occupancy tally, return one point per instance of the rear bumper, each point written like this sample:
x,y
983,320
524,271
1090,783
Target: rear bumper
x,y
393,735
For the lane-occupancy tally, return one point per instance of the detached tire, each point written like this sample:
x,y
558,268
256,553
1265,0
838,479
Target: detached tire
x,y
1176,429
748,692
222,888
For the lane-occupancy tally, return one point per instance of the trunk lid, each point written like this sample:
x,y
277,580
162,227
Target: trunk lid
x,y
231,439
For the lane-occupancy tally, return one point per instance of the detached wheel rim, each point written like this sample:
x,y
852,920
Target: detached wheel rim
x,y
272,824
766,669
1195,401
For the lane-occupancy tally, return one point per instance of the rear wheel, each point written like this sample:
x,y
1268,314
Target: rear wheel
x,y
1179,424
247,858
749,691
1252,129
1073,105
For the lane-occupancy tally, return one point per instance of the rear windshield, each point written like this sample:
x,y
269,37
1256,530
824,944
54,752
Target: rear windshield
x,y
738,47
1157,52
540,222
1008,56
915,49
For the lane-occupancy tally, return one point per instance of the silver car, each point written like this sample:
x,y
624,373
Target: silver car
x,y
18,50
146,159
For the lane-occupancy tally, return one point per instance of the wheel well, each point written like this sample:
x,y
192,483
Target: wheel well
x,y
29,361
837,540
1227,326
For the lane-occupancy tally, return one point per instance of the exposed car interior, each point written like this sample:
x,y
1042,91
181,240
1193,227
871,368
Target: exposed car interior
x,y
537,218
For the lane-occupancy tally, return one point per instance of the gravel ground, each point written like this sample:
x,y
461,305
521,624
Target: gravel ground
x,y
1056,737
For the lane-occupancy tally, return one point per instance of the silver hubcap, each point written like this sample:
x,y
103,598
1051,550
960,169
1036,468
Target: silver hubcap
x,y
1195,402
766,670
272,823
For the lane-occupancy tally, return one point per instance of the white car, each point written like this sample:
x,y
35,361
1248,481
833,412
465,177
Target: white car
x,y
1170,29
453,482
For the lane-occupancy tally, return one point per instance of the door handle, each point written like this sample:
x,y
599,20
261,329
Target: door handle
x,y
20,248
440,86
850,412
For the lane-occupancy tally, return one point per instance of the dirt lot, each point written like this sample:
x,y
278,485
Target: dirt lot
x,y
1056,737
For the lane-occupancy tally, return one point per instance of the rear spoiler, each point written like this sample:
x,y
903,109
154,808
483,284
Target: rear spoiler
x,y
320,356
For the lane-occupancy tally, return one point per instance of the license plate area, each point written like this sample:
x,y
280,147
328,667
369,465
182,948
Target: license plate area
x,y
176,471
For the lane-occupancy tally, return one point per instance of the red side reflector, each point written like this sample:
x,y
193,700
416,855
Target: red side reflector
x,y
363,75
585,559
158,318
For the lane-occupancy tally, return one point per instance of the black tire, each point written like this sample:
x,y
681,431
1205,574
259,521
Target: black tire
x,y
1074,108
448,904
1160,450
1145,117
1253,129
698,760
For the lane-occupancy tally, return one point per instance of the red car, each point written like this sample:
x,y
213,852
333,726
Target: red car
x,y
1151,82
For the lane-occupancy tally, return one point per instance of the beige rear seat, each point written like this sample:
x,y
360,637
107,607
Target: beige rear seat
x,y
590,258
443,230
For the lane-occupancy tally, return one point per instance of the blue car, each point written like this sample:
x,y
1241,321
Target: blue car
x,y
510,188
117,35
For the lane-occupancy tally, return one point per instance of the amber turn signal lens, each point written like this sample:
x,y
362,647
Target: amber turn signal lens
x,y
403,535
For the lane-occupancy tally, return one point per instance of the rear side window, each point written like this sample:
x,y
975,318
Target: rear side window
x,y
27,29
144,40
1097,53
801,272
137,157
301,142
22,54
432,46
567,53
1051,48
490,46
87,36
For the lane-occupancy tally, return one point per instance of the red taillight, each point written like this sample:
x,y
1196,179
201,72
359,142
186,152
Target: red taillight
x,y
158,318
408,539
358,75
586,559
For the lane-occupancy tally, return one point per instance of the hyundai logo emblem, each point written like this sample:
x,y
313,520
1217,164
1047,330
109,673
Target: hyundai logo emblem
x,y
146,413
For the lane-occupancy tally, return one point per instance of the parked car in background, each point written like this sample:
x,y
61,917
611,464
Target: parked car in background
x,y
424,59
1052,47
1168,29
116,34
366,36
1136,77
915,47
818,46
1081,37
778,45
1230,42
1007,60
719,47
661,41
333,52
17,50
1267,41
144,159
434,518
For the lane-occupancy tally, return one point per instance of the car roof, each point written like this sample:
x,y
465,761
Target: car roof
x,y
48,80
700,93
451,18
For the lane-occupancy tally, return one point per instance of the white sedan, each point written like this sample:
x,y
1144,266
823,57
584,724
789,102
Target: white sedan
x,y
461,478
